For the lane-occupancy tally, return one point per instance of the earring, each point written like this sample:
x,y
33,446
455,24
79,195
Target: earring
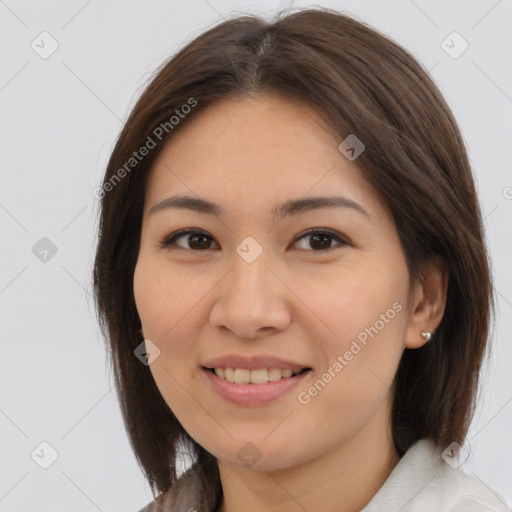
x,y
426,335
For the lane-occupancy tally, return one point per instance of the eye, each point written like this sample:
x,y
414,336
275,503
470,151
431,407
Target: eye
x,y
321,239
196,240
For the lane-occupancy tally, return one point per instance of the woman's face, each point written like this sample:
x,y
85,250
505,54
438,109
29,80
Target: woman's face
x,y
322,288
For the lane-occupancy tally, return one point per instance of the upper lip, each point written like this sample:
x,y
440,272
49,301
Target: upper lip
x,y
253,362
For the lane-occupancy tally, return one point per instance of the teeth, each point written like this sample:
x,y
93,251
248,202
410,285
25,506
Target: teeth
x,y
242,376
259,376
274,374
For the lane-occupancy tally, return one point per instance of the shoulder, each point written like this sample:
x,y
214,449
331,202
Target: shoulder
x,y
157,505
422,481
188,494
475,495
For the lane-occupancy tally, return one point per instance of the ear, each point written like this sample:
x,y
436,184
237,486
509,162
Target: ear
x,y
428,303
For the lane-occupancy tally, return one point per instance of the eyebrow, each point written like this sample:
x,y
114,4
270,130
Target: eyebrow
x,y
291,207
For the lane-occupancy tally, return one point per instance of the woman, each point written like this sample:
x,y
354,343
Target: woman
x,y
292,276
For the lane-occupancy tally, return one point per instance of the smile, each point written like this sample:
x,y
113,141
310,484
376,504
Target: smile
x,y
257,376
236,385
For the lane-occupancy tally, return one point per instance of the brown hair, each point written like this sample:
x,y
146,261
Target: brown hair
x,y
362,83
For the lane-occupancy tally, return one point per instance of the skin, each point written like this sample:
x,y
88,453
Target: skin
x,y
297,300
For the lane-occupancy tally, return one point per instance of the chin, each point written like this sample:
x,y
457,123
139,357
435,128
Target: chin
x,y
258,455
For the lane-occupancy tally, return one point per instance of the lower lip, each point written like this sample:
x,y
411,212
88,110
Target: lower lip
x,y
253,394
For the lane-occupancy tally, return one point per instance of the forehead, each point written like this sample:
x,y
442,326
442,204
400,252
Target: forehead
x,y
262,146
253,124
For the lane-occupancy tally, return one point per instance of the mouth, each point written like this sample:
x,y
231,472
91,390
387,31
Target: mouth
x,y
255,387
256,376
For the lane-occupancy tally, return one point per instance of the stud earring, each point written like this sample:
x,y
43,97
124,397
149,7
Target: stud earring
x,y
426,335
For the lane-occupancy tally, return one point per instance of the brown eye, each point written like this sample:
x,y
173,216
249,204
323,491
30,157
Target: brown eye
x,y
316,240
321,240
194,240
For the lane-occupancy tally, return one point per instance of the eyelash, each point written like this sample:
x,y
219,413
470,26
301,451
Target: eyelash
x,y
171,239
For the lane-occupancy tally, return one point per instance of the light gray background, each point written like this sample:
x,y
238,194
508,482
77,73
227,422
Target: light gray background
x,y
60,118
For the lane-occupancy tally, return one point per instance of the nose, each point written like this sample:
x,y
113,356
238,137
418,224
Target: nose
x,y
251,300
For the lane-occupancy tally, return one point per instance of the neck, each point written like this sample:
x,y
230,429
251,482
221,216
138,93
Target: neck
x,y
343,480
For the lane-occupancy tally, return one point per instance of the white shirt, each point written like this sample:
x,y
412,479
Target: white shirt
x,y
421,482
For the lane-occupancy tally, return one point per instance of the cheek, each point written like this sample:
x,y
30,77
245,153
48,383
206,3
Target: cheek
x,y
358,368
171,309
363,318
165,298
166,303
350,298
